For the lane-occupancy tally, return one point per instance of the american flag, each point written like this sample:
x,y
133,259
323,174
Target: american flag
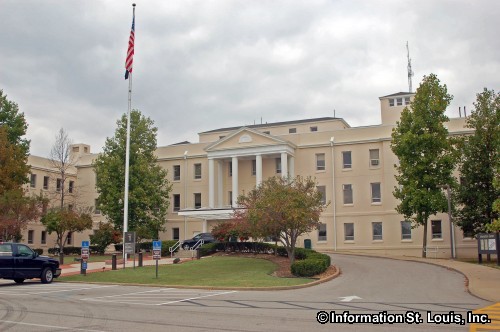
x,y
130,51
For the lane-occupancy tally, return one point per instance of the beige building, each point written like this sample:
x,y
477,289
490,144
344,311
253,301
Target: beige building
x,y
353,166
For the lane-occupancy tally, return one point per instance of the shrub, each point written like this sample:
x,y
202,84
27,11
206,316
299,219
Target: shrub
x,y
165,246
208,249
38,251
308,267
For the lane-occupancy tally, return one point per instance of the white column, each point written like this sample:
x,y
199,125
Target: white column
x,y
211,183
284,164
291,166
235,180
204,226
258,166
220,165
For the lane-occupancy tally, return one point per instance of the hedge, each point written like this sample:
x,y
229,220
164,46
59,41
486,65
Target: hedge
x,y
72,250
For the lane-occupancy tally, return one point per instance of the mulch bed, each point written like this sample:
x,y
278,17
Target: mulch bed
x,y
283,270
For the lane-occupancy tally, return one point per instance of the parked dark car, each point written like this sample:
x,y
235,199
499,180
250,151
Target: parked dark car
x,y
18,262
206,237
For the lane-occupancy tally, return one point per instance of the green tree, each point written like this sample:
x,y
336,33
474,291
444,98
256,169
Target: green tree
x,y
149,188
15,124
480,164
13,164
286,208
426,155
105,235
64,221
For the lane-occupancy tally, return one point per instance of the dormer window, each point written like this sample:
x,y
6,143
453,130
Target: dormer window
x,y
400,101
391,102
315,128
292,130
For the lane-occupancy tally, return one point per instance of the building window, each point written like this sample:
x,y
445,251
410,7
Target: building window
x,y
230,168
33,181
377,230
436,229
322,232
76,149
322,190
278,165
177,172
254,167
292,130
221,137
197,171
230,198
30,236
177,202
58,185
391,102
376,194
96,207
45,182
70,207
315,128
44,237
347,189
320,162
374,157
197,200
349,231
70,238
175,233
399,101
267,132
346,159
71,186
407,100
406,230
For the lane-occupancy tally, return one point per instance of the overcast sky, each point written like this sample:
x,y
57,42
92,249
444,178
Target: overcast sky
x,y
202,65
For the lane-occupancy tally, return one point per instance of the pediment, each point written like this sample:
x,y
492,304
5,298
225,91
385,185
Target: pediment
x,y
244,138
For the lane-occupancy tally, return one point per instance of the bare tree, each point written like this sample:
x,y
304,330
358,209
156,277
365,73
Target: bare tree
x,y
62,160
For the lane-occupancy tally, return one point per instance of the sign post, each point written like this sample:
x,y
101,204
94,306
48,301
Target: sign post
x,y
85,254
156,254
129,245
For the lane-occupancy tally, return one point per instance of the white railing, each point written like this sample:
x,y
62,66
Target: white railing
x,y
173,248
197,245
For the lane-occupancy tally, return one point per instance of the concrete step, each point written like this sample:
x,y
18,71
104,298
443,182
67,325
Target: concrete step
x,y
185,254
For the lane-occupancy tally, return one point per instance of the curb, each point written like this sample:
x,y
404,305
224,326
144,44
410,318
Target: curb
x,y
272,288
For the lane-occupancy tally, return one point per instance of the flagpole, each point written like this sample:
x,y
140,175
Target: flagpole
x,y
127,159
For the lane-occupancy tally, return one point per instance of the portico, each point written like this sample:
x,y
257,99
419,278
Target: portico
x,y
245,144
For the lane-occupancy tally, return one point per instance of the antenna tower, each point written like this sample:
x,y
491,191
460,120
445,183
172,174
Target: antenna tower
x,y
410,72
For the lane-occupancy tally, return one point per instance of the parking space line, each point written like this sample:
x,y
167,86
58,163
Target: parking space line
x,y
195,298
49,326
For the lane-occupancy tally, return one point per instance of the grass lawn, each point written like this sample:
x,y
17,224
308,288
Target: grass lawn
x,y
210,271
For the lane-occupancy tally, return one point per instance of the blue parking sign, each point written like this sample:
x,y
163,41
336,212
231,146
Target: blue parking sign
x,y
157,245
85,244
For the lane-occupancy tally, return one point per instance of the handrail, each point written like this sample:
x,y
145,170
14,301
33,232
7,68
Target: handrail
x,y
173,248
197,244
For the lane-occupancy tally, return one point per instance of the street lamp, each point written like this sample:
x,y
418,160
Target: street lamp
x,y
452,229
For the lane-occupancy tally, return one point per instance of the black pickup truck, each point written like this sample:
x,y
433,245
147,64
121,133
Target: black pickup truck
x,y
18,262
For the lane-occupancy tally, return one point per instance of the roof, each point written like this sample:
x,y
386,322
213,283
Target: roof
x,y
398,94
263,125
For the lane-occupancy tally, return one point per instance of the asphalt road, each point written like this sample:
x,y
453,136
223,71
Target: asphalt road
x,y
367,285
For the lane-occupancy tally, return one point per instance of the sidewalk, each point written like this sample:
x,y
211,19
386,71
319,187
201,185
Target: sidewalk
x,y
483,281
72,269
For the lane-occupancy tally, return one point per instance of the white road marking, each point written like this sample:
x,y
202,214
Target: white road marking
x,y
349,298
50,326
157,296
